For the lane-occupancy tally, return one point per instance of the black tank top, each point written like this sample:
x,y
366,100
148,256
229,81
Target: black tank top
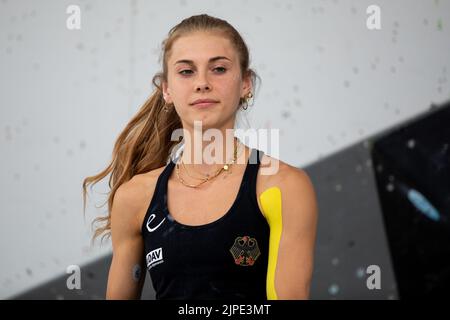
x,y
224,259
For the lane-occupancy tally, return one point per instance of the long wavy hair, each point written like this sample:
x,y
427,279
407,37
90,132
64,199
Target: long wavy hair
x,y
145,144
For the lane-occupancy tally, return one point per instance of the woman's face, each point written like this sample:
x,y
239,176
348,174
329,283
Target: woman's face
x,y
205,66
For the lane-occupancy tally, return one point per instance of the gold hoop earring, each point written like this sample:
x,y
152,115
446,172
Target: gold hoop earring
x,y
244,105
166,109
249,96
244,101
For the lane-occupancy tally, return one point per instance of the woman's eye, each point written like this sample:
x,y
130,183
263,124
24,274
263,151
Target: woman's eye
x,y
181,72
188,71
222,68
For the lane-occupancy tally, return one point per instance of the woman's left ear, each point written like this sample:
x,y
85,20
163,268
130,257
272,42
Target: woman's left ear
x,y
166,93
247,85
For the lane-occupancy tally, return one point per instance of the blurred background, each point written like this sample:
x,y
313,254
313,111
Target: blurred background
x,y
364,111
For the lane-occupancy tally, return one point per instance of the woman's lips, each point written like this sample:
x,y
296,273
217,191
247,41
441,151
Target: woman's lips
x,y
204,104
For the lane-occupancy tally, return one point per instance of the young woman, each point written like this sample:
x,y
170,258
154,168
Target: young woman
x,y
204,230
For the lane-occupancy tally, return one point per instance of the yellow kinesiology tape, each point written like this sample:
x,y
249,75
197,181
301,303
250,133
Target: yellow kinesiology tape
x,y
271,206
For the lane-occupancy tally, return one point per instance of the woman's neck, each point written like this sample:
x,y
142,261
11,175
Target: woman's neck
x,y
206,157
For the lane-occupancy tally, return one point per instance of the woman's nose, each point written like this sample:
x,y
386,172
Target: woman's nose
x,y
203,87
202,82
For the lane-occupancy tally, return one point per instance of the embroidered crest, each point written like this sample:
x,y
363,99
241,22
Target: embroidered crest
x,y
245,251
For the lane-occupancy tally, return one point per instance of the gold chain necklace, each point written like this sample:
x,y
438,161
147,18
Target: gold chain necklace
x,y
189,175
204,176
225,167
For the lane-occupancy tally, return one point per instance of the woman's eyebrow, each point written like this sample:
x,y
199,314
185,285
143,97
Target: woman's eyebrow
x,y
190,62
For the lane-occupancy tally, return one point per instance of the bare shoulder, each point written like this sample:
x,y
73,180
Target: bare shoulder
x,y
292,181
299,202
144,180
136,194
276,172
